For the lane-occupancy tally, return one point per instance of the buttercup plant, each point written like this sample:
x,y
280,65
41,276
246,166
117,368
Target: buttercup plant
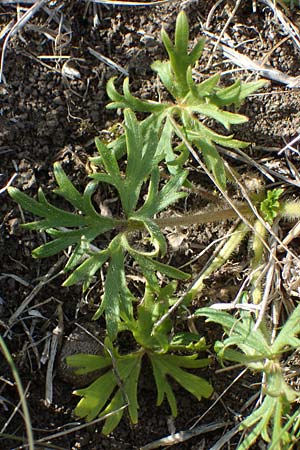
x,y
133,165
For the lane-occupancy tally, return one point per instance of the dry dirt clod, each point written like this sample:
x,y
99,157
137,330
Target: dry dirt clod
x,y
83,339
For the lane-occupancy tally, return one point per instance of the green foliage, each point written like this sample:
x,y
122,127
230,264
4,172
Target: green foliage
x,y
192,102
118,385
253,347
270,206
112,390
81,228
133,165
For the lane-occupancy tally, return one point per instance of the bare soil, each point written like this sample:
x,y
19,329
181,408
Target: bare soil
x,y
52,106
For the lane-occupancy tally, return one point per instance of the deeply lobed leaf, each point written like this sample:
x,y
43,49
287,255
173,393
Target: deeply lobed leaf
x,y
165,366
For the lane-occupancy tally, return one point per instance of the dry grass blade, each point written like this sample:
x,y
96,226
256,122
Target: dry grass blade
x,y
183,436
15,2
9,183
228,22
54,346
21,392
272,74
292,234
46,279
108,61
269,279
288,26
6,29
220,396
266,171
289,145
79,427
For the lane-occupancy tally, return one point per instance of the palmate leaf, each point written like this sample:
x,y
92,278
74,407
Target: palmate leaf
x,y
256,351
142,147
198,92
164,366
155,303
81,251
269,421
83,227
117,386
85,363
165,73
161,127
68,191
192,102
227,96
156,201
236,93
205,139
174,158
248,89
150,266
86,271
111,391
200,131
214,112
213,160
188,341
55,217
140,158
129,370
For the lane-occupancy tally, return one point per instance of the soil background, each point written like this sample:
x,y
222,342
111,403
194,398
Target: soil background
x,y
52,106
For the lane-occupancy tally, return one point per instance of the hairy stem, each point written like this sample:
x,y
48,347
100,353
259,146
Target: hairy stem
x,y
215,215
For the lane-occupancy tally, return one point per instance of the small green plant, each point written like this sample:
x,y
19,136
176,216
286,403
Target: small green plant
x,y
81,228
119,383
271,420
255,349
133,165
192,104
